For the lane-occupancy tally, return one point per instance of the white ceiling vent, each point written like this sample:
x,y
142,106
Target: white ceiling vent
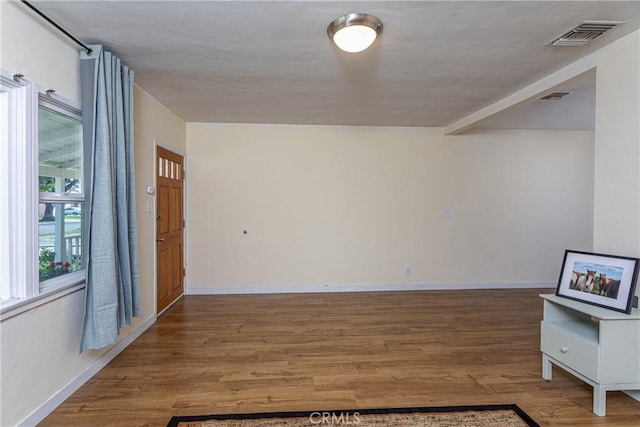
x,y
583,33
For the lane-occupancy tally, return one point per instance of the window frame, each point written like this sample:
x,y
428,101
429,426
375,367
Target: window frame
x,y
20,287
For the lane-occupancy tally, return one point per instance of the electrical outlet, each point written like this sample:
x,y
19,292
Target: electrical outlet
x,y
446,212
407,272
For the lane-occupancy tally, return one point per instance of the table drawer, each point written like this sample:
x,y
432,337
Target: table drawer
x,y
576,352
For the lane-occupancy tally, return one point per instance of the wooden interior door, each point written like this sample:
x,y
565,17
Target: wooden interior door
x,y
170,227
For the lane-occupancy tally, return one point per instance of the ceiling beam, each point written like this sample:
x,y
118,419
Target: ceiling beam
x,y
534,91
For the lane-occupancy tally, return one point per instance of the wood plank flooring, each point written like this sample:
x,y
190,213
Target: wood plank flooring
x,y
265,353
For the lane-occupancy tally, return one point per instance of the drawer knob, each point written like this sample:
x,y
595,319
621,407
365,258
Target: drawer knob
x,y
564,349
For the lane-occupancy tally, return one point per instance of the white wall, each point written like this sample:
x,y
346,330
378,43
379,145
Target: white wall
x,y
616,222
358,205
154,122
34,48
617,149
39,357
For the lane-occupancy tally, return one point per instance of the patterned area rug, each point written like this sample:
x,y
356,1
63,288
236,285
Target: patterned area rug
x,y
447,416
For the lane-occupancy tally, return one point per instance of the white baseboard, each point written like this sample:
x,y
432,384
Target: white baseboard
x,y
56,400
231,290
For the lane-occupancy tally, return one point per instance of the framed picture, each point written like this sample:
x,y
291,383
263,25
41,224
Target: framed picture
x,y
604,280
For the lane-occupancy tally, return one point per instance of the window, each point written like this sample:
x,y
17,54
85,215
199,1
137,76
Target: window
x,y
41,160
4,196
60,219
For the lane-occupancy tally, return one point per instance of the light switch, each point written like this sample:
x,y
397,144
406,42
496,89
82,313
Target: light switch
x,y
149,206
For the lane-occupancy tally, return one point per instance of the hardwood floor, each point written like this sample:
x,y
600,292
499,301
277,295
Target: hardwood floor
x,y
266,353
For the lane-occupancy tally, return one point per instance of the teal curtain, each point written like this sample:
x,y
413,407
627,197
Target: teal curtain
x,y
112,288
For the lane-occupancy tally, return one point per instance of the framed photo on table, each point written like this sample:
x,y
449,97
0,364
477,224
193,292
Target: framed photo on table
x,y
607,281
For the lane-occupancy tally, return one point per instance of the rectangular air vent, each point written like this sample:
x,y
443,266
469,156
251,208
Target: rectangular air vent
x,y
583,33
555,96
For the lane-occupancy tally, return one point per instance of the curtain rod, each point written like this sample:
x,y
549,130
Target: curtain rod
x,y
65,32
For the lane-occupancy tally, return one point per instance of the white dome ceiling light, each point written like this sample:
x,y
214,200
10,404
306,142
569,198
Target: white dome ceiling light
x,y
354,32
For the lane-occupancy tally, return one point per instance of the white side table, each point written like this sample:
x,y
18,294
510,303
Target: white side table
x,y
599,346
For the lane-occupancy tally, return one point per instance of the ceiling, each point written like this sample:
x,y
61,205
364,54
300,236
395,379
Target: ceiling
x,y
272,62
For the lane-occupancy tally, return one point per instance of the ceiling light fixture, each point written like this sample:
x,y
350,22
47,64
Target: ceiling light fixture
x,y
354,32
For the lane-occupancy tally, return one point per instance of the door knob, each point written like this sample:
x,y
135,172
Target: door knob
x,y
159,239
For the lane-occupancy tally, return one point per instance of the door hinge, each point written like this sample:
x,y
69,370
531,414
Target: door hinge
x,y
184,174
184,223
184,272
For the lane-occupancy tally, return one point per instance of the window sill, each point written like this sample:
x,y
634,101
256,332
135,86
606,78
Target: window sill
x,y
13,307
